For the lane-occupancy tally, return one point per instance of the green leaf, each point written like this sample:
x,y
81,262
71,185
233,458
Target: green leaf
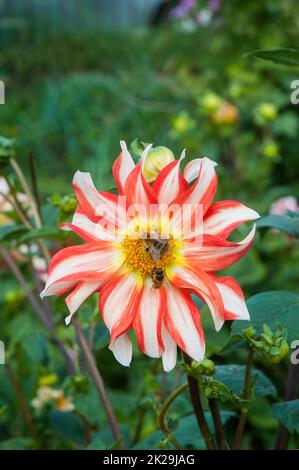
x,y
282,55
232,376
17,443
11,232
44,232
68,425
286,223
272,308
288,413
96,442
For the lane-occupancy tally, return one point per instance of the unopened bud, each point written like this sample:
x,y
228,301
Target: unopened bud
x,y
204,367
156,159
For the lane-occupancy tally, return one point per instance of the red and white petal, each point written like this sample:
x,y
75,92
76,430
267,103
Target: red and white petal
x,y
98,206
182,320
192,169
201,284
122,349
148,320
79,295
138,191
224,216
215,253
88,230
58,288
119,299
203,189
169,355
169,183
92,261
233,298
122,166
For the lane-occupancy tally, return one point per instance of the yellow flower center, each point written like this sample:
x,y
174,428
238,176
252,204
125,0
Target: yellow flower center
x,y
142,255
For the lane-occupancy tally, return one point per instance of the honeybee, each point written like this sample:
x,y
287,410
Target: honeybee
x,y
156,248
157,276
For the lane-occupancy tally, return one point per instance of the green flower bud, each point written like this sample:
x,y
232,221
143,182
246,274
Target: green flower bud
x,y
156,159
267,111
249,332
204,367
211,102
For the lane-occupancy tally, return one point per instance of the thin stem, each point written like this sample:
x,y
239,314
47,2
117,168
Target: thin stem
x,y
47,322
25,410
217,424
27,191
99,384
16,208
246,396
162,423
283,435
198,409
34,184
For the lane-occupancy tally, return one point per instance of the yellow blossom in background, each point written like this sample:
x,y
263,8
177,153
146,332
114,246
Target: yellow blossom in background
x,y
211,102
267,111
182,123
47,380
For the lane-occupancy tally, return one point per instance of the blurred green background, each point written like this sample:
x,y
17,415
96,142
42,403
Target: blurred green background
x,y
81,76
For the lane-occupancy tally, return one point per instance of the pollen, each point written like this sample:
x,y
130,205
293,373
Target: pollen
x,y
139,258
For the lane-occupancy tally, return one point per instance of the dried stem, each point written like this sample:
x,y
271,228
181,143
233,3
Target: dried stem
x,y
163,425
98,382
47,322
246,396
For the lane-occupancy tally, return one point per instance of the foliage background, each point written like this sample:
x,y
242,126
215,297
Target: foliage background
x,y
70,97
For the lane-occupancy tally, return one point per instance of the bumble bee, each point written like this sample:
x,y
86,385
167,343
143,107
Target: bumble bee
x,y
157,275
156,248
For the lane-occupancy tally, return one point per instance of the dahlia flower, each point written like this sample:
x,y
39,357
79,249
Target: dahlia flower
x,y
142,287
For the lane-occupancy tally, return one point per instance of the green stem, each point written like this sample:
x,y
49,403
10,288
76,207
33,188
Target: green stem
x,y
198,409
217,424
246,396
162,422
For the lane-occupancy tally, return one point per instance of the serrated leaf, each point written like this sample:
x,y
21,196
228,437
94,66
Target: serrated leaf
x,y
232,376
273,309
288,413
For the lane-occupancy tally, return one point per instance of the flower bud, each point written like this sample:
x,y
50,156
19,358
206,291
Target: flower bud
x,y
267,111
204,367
47,380
270,149
227,114
211,102
249,332
156,159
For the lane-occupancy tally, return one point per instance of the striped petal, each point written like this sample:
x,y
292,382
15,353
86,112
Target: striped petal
x,y
148,320
92,261
192,169
79,295
138,191
182,320
224,216
201,284
122,349
97,206
215,253
119,298
169,355
122,167
88,230
233,298
169,183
